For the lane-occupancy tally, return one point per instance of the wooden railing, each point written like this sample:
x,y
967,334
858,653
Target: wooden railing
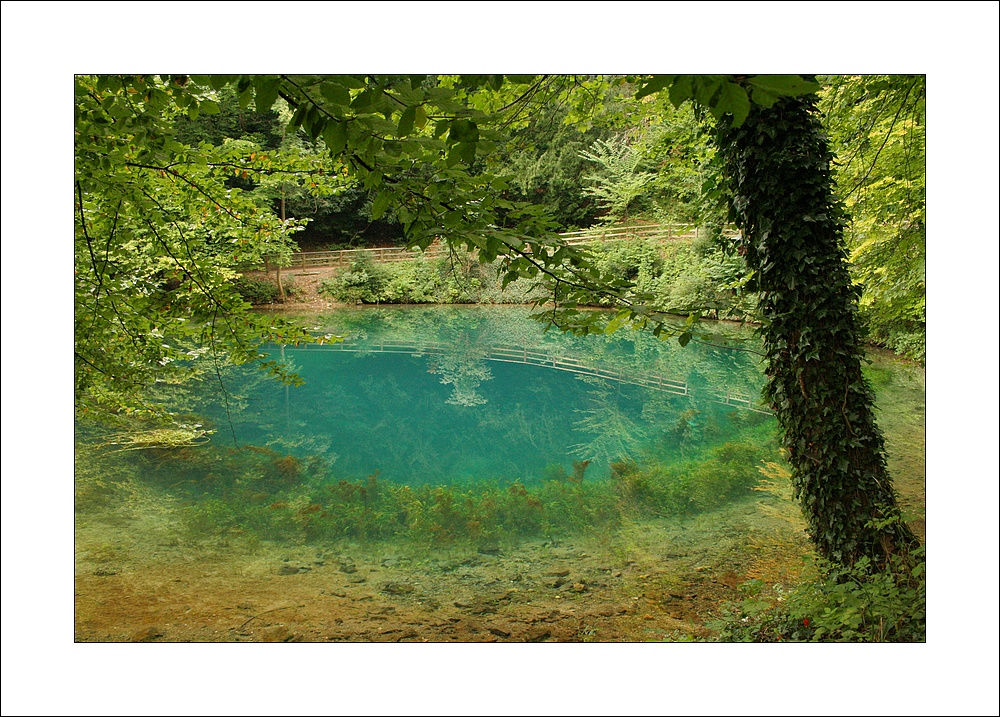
x,y
343,257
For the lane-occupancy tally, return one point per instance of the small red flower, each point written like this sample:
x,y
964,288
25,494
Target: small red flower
x,y
806,622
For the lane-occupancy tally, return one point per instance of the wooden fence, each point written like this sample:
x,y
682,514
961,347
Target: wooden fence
x,y
343,257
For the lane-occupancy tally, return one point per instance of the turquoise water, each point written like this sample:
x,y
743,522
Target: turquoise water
x,y
453,395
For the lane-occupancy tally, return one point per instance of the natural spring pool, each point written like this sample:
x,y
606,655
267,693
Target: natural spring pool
x,y
459,395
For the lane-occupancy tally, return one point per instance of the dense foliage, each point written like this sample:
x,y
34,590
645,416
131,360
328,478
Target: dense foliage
x,y
454,279
159,235
876,126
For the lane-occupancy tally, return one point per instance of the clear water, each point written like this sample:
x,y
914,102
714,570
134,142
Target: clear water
x,y
448,395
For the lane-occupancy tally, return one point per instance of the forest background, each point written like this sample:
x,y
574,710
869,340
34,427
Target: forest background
x,y
951,43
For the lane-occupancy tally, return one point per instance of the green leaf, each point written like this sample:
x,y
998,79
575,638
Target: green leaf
x,y
706,89
363,101
763,97
335,93
681,91
217,82
783,85
685,338
267,92
616,323
463,130
654,84
406,122
732,99
454,157
381,203
420,117
349,81
467,152
335,136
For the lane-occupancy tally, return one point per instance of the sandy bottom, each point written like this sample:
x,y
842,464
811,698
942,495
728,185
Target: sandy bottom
x,y
652,579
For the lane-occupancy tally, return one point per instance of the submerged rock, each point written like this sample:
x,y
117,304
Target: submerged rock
x,y
146,634
292,570
397,589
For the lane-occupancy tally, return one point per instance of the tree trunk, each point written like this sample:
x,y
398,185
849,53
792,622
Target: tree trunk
x,y
782,198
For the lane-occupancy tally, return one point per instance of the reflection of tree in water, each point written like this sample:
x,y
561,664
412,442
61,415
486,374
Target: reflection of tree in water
x,y
514,427
616,434
463,366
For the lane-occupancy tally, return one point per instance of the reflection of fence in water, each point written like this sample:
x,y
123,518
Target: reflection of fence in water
x,y
534,357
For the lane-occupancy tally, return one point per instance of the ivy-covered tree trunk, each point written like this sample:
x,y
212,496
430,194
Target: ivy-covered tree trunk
x,y
778,163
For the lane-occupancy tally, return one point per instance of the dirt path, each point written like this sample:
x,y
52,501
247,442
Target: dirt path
x,y
304,283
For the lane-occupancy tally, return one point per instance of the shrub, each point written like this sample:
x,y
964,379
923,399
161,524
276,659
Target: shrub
x,y
423,281
362,282
839,604
637,261
256,290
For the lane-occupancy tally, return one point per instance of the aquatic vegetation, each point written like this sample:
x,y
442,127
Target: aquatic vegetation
x,y
721,474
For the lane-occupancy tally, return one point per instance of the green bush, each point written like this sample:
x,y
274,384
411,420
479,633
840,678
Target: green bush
x,y
422,281
839,604
637,261
911,345
256,290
